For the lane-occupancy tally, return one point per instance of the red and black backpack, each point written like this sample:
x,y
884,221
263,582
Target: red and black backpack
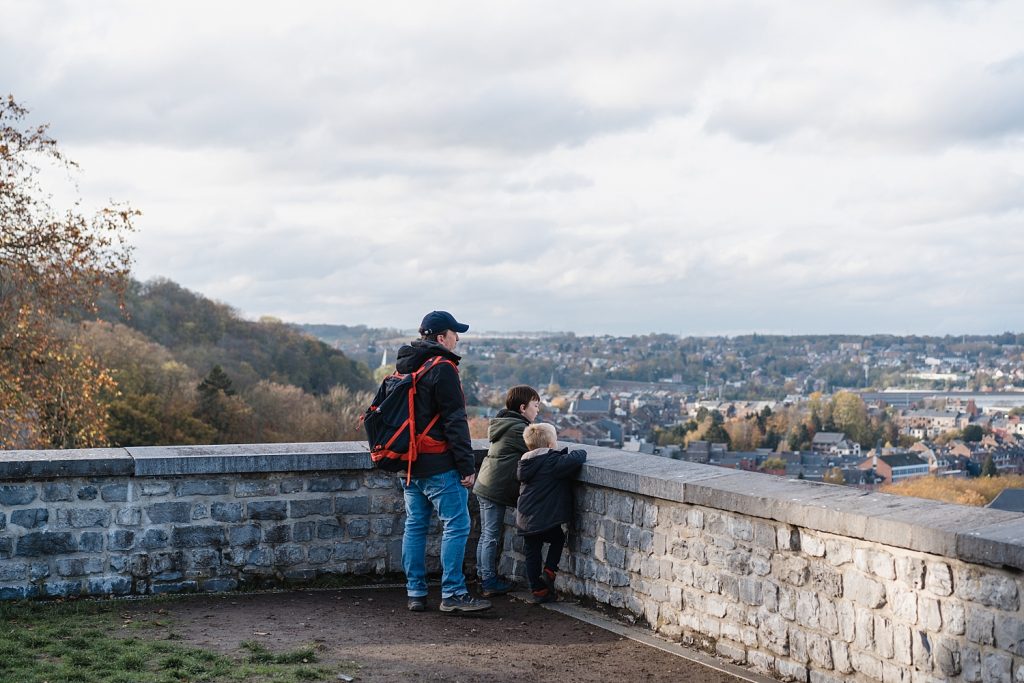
x,y
390,422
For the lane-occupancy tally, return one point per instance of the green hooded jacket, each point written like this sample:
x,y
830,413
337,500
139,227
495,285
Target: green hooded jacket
x,y
497,478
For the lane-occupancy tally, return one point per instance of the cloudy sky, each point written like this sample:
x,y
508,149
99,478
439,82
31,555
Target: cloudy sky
x,y
704,167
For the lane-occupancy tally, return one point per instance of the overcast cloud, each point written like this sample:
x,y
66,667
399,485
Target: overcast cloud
x,y
683,167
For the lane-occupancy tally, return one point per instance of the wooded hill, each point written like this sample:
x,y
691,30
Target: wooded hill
x,y
192,370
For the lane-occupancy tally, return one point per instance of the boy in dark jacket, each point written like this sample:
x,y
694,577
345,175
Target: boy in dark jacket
x,y
545,503
496,485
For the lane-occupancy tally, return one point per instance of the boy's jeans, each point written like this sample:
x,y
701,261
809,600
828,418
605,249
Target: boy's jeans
x,y
492,522
445,493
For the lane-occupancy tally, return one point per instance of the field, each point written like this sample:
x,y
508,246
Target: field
x,y
978,491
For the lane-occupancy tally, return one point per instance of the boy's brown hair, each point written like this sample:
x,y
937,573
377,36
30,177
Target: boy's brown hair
x,y
540,435
519,396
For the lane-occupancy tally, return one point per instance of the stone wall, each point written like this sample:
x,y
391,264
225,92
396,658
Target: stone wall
x,y
801,581
144,521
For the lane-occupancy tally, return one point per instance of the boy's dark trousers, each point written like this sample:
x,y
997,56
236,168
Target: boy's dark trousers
x,y
533,543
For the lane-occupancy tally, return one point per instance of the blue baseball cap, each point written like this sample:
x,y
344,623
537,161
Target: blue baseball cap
x,y
437,322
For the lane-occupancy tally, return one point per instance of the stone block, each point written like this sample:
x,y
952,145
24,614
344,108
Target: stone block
x,y
921,650
795,571
329,530
155,488
280,533
122,539
88,493
289,555
841,656
358,528
109,585
255,487
349,551
307,508
219,585
866,664
174,587
30,519
929,615
327,484
78,566
980,625
57,492
884,646
904,605
17,494
18,592
807,609
902,647
790,671
244,536
200,511
819,651
988,588
292,485
838,551
319,554
303,531
938,578
1009,634
383,526
260,557
226,512
865,630
39,543
62,589
997,667
153,539
884,565
197,536
734,652
128,517
114,493
13,571
812,545
90,542
970,663
268,510
954,618
83,518
863,590
169,513
826,580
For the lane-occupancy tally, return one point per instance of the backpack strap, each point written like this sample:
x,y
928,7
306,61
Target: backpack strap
x,y
430,363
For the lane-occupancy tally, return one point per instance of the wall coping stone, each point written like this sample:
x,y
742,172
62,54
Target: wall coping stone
x,y
153,461
78,462
979,535
971,534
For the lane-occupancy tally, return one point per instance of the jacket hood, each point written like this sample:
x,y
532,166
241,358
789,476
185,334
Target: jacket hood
x,y
532,461
502,422
411,356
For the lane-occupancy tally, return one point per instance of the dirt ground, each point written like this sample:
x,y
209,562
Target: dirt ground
x,y
370,635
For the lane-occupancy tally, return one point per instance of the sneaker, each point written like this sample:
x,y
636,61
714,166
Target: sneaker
x,y
494,587
417,604
543,595
464,603
547,577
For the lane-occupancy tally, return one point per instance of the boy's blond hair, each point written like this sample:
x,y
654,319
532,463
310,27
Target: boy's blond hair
x,y
540,435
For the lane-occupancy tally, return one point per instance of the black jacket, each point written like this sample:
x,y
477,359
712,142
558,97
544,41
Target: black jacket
x,y
545,492
439,391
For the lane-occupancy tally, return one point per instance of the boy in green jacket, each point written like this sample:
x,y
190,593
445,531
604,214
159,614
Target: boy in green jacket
x,y
496,485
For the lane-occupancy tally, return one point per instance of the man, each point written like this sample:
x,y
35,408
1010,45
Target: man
x,y
444,470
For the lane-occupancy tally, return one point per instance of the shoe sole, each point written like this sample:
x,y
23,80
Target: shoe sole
x,y
464,609
494,594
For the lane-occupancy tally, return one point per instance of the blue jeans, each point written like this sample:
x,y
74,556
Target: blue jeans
x,y
445,493
492,523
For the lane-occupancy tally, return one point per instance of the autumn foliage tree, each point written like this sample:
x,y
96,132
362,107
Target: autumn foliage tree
x,y
52,260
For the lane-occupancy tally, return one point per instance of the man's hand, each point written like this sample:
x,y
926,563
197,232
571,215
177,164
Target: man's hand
x,y
468,480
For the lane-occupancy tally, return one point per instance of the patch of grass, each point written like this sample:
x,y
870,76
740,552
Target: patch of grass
x,y
92,642
261,655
